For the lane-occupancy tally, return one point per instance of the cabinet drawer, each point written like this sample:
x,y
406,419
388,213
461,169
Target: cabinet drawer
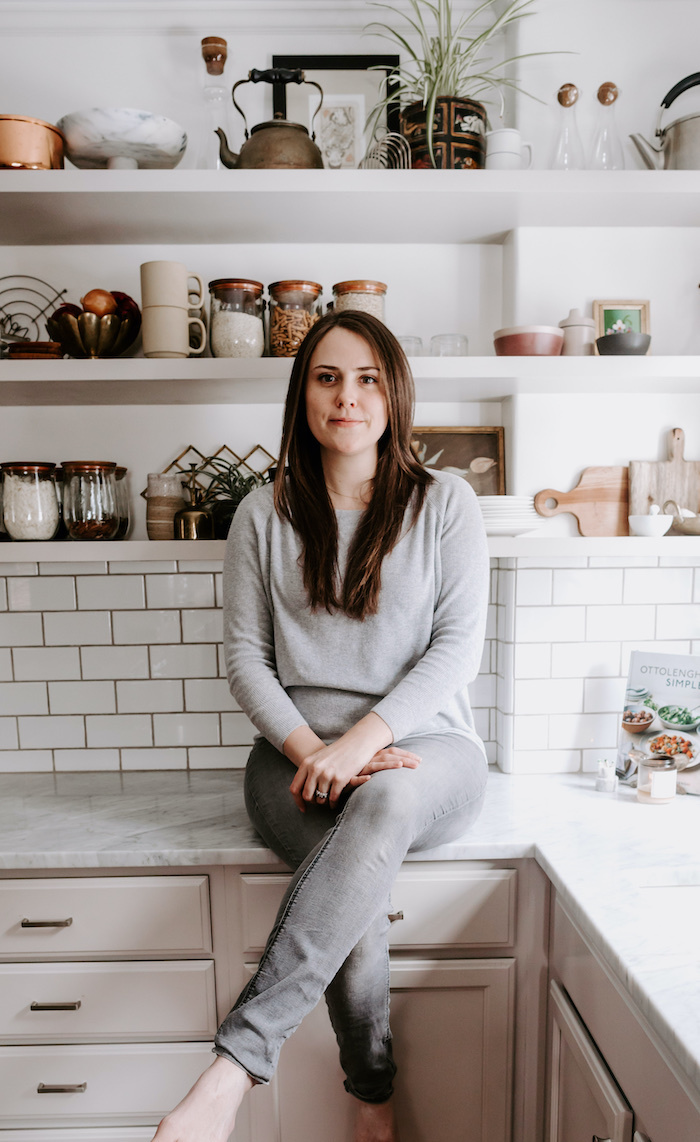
x,y
111,1085
444,905
118,915
107,1002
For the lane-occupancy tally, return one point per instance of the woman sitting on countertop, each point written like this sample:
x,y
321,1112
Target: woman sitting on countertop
x,y
355,595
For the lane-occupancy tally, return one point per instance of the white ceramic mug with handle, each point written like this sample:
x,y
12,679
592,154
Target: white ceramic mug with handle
x,y
165,331
505,150
169,283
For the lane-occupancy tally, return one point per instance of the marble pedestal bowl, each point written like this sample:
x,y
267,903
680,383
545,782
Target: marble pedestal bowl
x,y
122,138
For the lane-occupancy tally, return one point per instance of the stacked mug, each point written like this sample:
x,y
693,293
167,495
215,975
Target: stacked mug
x,y
167,296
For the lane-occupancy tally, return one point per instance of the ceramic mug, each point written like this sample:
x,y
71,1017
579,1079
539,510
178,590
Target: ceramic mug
x,y
165,331
168,283
505,150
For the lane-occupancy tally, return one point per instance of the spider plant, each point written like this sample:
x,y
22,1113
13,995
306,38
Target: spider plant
x,y
447,61
227,487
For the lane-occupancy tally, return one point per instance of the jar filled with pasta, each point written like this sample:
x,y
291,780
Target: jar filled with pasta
x,y
294,308
363,294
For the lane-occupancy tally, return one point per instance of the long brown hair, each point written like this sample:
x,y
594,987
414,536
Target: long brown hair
x,y
301,495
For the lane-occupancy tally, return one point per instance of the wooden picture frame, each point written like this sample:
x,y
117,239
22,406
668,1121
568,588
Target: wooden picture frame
x,y
633,315
363,79
476,454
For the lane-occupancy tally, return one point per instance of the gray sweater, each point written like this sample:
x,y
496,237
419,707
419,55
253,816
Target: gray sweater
x,y
288,665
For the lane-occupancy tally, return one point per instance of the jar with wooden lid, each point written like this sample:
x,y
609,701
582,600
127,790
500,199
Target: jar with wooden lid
x,y
236,318
363,294
294,308
29,501
90,499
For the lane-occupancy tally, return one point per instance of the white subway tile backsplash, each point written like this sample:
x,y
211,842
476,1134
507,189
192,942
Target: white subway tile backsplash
x,y
491,619
546,761
202,626
218,757
51,732
548,561
548,696
677,621
583,731
221,661
530,731
50,594
11,569
210,566
3,594
23,698
237,729
82,760
208,694
110,592
618,623
482,691
114,661
5,665
26,761
587,586
92,568
583,659
678,561
180,590
77,628
550,624
505,590
82,697
504,658
504,694
658,585
623,561
118,730
8,733
532,660
20,630
481,724
46,662
219,589
156,696
192,661
601,695
534,588
142,567
505,623
145,627
154,758
186,729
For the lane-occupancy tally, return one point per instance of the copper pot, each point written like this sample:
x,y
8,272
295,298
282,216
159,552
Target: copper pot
x,y
29,144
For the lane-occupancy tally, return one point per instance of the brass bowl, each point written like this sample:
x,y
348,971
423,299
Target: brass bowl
x,y
30,144
91,336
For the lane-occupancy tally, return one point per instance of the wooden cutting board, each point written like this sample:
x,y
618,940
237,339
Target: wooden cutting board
x,y
600,501
655,481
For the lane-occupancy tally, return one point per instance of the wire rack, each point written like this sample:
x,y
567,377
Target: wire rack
x,y
197,465
25,303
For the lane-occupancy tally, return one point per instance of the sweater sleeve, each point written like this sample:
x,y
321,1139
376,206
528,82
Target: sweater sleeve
x,y
453,655
249,647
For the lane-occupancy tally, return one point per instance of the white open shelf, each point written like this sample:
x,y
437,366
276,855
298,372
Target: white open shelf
x,y
141,381
133,207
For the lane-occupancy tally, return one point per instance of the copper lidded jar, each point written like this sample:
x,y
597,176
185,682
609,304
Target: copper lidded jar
x,y
236,320
363,294
294,308
29,501
90,499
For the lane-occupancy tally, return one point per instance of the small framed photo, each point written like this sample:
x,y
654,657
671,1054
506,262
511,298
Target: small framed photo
x,y
475,454
621,317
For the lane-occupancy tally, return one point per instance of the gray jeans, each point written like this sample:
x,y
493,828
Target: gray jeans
x,y
330,934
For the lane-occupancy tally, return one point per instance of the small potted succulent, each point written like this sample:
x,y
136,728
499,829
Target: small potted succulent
x,y
440,82
226,488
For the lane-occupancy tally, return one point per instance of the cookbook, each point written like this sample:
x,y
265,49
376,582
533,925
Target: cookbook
x,y
661,711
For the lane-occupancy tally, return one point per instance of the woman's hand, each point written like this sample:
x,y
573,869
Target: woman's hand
x,y
391,758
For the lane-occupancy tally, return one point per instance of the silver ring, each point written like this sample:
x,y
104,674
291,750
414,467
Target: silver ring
x,y
320,796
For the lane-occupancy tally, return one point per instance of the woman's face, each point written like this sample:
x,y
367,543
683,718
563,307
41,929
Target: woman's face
x,y
345,401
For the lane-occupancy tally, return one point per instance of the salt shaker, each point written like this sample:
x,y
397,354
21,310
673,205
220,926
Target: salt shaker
x,y
579,335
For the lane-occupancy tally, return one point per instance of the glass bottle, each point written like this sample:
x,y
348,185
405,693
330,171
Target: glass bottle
x,y
568,151
236,322
90,499
294,308
607,153
29,502
216,100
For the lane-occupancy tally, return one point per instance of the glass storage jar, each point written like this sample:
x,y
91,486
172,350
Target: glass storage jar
x,y
362,294
123,507
30,503
294,308
656,779
236,318
90,499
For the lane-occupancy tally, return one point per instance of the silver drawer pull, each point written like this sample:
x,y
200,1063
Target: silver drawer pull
x,y
47,923
63,1088
394,916
55,1006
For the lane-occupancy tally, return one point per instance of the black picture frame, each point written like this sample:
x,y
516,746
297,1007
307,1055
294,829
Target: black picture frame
x,y
312,63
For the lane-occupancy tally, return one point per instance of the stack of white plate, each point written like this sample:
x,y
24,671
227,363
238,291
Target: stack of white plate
x,y
509,515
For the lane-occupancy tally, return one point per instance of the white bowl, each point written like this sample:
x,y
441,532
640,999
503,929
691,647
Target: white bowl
x,y
122,137
649,524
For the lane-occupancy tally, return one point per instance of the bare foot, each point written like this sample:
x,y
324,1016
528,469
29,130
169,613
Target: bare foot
x,y
375,1122
208,1112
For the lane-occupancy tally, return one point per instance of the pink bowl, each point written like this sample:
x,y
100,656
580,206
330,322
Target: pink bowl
x,y
529,341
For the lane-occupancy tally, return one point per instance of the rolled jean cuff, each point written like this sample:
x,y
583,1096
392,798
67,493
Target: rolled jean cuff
x,y
224,1053
382,1095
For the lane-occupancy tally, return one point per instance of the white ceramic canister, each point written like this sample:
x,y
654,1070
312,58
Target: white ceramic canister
x,y
579,335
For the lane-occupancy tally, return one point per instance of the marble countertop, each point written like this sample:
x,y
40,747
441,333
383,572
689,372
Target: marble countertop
x,y
628,873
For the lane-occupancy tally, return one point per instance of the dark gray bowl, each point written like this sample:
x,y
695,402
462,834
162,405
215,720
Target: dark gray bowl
x,y
614,344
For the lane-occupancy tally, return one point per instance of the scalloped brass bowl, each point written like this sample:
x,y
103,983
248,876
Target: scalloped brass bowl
x,y
91,336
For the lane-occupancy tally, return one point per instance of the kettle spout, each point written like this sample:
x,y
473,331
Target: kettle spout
x,y
228,157
652,155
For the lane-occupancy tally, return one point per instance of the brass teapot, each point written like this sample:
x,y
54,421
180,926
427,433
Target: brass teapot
x,y
277,144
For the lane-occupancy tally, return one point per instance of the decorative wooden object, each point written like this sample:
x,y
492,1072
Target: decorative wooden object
x,y
655,481
599,501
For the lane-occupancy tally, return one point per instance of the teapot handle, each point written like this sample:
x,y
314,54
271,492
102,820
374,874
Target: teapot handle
x,y
278,77
682,85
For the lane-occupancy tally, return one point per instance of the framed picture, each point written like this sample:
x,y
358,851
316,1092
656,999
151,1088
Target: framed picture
x,y
352,86
475,454
621,317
